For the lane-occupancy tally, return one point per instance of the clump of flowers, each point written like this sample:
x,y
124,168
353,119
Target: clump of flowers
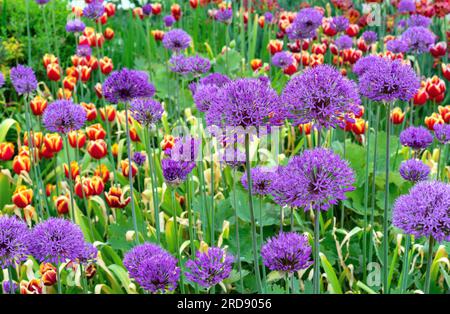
x,y
418,138
23,79
63,116
414,170
126,85
261,180
287,252
209,267
14,241
146,111
305,24
176,40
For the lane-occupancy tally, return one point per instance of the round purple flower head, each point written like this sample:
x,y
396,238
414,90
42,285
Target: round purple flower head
x,y
184,149
425,211
75,26
147,9
94,10
199,65
340,23
262,179
84,50
366,63
63,116
175,172
406,6
169,20
419,20
146,111
2,80
268,17
305,24
316,179
321,95
139,158
176,40
419,39
14,241
125,85
282,59
344,42
57,240
442,133
414,170
387,80
244,103
23,79
288,252
42,2
224,15
216,79
370,37
89,254
417,138
205,96
153,268
397,46
180,64
210,267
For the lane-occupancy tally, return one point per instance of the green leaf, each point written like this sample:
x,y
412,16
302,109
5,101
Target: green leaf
x,y
331,275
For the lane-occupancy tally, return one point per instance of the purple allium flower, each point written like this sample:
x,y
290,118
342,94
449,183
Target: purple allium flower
x,y
233,157
139,158
305,24
419,20
75,26
23,79
442,133
94,10
57,240
84,50
153,268
210,267
7,288
176,40
205,95
414,170
340,23
180,64
184,149
318,178
63,116
397,46
262,179
419,39
146,111
344,42
406,6
387,80
417,138
216,79
366,63
224,15
147,9
89,254
176,172
321,95
199,65
268,17
14,241
370,37
244,103
287,252
42,2
282,59
2,80
125,85
169,20
425,211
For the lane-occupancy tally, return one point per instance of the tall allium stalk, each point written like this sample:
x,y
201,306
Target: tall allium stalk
x,y
177,240
70,182
366,189
238,244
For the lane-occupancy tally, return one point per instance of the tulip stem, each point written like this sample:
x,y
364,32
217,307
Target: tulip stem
x,y
130,174
252,213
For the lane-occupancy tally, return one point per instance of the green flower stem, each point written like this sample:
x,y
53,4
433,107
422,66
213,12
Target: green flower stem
x,y
153,183
191,222
213,225
130,175
252,213
261,235
366,191
27,13
385,269
11,282
316,278
429,263
405,268
238,245
70,182
58,277
177,241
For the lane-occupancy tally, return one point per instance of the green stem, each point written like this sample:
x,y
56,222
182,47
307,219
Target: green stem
x,y
72,205
177,241
261,235
238,245
386,203
316,279
252,213
405,269
429,263
366,191
27,13
213,225
190,219
154,185
58,277
11,282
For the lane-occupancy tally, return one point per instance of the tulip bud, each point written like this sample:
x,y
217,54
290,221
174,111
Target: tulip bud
x,y
97,149
156,8
62,204
95,132
48,273
77,139
69,83
91,111
102,172
110,9
115,198
23,196
137,12
126,168
158,35
38,105
397,115
275,46
108,111
21,163
53,72
6,151
193,3
106,65
108,33
256,64
305,128
175,10
74,170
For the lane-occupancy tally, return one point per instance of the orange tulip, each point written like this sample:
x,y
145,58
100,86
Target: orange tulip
x,y
69,83
397,115
62,204
444,111
38,105
6,151
48,273
97,149
126,168
95,132
275,46
435,118
102,172
21,163
158,35
175,10
115,198
108,111
77,139
23,196
91,111
74,170
108,33
256,64
53,141
106,65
